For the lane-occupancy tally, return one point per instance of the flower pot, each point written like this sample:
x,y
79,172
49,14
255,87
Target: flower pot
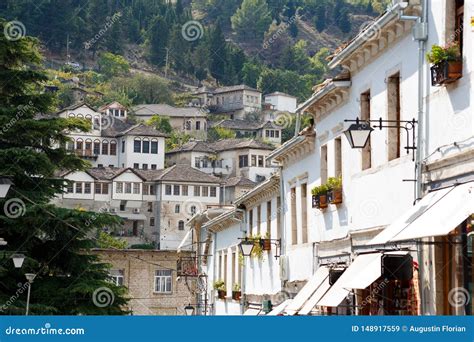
x,y
266,244
236,295
446,72
335,196
221,294
323,201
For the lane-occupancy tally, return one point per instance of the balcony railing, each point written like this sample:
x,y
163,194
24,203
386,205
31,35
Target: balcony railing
x,y
86,154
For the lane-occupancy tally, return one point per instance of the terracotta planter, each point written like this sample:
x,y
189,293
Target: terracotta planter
x,y
266,244
446,72
335,196
323,201
221,294
236,295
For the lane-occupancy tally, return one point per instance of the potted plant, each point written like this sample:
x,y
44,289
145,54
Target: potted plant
x,y
236,292
447,63
320,196
219,285
257,251
266,242
335,190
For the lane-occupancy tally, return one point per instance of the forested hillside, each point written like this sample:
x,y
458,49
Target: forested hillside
x,y
269,44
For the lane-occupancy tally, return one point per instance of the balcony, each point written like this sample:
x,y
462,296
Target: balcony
x,y
187,267
86,154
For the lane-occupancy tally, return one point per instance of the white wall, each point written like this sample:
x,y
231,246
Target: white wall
x,y
281,102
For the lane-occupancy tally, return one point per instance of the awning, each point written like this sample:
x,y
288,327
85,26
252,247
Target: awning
x,y
364,270
252,312
186,240
437,214
307,291
317,295
133,217
279,308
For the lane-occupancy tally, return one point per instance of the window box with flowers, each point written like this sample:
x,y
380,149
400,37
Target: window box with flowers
x,y
446,64
219,285
334,190
320,196
266,242
236,293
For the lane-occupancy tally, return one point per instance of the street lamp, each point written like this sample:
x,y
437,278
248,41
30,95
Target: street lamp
x,y
5,184
189,310
18,260
30,277
358,133
246,247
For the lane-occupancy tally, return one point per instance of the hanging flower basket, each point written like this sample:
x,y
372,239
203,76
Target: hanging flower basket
x,y
446,64
266,244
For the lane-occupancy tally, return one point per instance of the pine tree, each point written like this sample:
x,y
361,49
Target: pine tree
x,y
252,19
218,53
54,240
158,38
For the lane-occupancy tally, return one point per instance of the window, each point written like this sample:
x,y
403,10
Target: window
x,y
184,189
272,134
458,24
116,277
260,161
119,187
136,188
96,123
145,166
204,162
70,188
205,191
96,147
87,187
113,148
304,213
365,115
269,219
324,164
137,146
337,157
259,219
152,221
128,188
193,210
393,113
70,145
152,190
123,146
105,147
187,126
253,160
163,281
176,190
181,225
243,161
197,190
123,204
168,189
250,221
197,162
78,188
278,217
153,166
88,147
145,189
267,133
294,228
213,191
150,207
154,146
277,134
105,188
177,209
198,125
79,144
146,146
136,165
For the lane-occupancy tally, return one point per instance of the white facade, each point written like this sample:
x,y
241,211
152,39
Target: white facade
x,y
281,102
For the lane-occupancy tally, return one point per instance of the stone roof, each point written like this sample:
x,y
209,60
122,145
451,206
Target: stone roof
x,y
186,173
196,146
235,144
141,129
240,181
114,126
239,124
75,106
163,109
105,173
234,88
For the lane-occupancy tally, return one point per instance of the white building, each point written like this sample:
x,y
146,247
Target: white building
x,y
280,101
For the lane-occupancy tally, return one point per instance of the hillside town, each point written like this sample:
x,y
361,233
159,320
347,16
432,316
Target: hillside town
x,y
358,200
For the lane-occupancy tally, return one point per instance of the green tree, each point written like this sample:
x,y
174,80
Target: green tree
x,y
143,89
161,123
252,19
113,65
55,240
218,53
219,133
158,40
251,73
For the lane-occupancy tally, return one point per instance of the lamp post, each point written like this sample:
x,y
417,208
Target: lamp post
x,y
189,310
358,133
5,184
18,260
30,277
246,247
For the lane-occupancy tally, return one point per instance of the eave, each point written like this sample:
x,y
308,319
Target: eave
x,y
262,193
